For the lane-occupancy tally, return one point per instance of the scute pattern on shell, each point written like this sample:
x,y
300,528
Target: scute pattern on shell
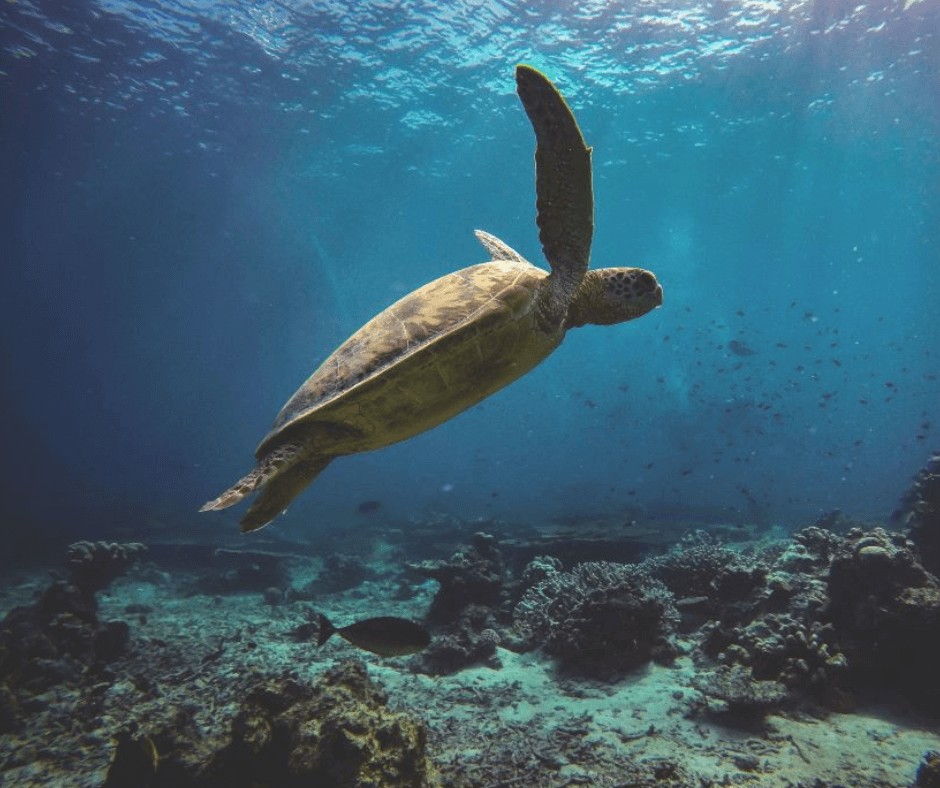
x,y
500,290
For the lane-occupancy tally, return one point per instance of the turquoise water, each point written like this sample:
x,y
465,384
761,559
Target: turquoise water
x,y
203,199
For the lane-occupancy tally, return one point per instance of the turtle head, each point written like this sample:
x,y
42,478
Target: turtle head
x,y
614,295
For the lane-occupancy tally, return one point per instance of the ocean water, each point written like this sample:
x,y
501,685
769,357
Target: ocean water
x,y
202,199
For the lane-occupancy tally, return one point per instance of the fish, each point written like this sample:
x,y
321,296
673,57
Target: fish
x,y
740,348
368,507
386,636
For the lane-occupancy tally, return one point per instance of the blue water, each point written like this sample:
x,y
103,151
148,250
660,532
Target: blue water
x,y
202,199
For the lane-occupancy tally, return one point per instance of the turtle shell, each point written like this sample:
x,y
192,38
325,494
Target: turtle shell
x,y
429,356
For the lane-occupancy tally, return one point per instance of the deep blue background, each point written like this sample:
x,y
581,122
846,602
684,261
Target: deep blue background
x,y
197,209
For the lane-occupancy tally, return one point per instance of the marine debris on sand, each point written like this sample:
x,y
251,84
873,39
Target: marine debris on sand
x,y
798,662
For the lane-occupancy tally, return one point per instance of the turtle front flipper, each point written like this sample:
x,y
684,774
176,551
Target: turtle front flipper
x,y
564,191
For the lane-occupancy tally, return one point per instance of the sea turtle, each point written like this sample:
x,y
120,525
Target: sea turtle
x,y
455,341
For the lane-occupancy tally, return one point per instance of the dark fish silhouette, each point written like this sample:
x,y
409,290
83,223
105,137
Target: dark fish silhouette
x,y
386,636
740,348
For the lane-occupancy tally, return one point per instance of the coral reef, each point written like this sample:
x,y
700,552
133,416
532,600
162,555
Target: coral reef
x,y
600,618
742,697
469,606
919,511
340,573
928,773
779,637
60,638
821,615
475,576
701,568
780,633
834,615
781,648
339,733
539,568
93,565
232,691
886,610
472,639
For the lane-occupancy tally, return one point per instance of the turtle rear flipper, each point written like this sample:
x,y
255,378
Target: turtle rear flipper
x,y
280,491
275,462
241,489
